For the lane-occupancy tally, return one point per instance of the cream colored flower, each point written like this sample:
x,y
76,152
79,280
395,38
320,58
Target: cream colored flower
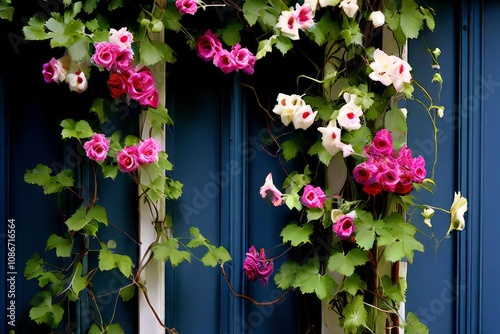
x,y
286,106
428,213
350,7
457,211
377,18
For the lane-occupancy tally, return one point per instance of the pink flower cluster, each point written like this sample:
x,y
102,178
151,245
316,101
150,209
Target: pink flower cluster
x,y
387,171
313,197
258,266
209,48
125,78
66,70
131,157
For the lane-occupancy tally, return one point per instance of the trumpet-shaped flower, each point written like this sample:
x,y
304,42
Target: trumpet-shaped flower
x,y
304,117
331,140
350,7
350,114
288,25
55,70
457,212
428,213
313,197
390,70
77,81
287,106
270,193
343,226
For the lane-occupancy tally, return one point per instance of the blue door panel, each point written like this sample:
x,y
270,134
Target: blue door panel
x,y
432,282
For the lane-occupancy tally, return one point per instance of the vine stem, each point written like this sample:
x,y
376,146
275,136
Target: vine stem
x,y
170,330
253,301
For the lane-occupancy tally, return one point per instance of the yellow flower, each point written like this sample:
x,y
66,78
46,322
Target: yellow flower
x,y
457,211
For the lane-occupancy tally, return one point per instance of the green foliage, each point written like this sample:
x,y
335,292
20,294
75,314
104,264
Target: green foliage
x,y
45,311
297,235
51,184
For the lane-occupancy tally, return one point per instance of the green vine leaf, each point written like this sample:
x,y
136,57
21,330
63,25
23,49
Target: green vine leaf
x,y
215,256
314,214
325,29
40,176
395,120
414,326
43,311
168,250
392,291
355,315
345,264
63,246
309,280
230,34
6,10
351,33
291,148
285,278
398,237
128,292
251,10
78,282
152,52
109,261
297,235
79,130
353,283
319,150
35,30
33,267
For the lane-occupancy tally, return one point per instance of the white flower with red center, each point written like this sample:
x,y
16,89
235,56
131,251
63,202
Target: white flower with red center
x,y
331,140
304,16
123,38
288,24
77,81
304,117
287,106
349,117
390,70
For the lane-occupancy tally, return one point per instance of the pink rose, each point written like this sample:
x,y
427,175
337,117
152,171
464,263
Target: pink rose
x,y
313,197
225,61
365,172
186,6
142,86
105,54
257,266
244,59
389,179
97,147
419,171
208,45
127,159
147,151
124,60
344,226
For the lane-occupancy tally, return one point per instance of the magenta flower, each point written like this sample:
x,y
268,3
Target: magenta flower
x,y
186,6
313,197
142,87
344,226
257,266
243,58
147,151
225,61
208,45
270,193
97,147
382,143
105,54
127,159
54,71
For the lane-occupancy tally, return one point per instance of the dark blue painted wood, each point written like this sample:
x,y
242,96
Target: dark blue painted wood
x,y
432,282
